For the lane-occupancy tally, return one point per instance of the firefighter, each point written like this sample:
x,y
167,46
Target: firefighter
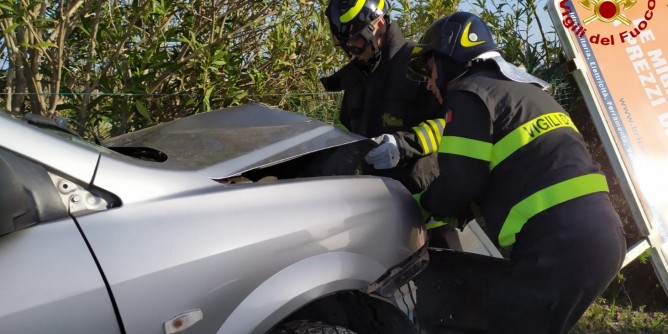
x,y
379,102
512,150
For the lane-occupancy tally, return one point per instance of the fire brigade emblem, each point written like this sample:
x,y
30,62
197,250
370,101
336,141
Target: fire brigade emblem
x,y
608,10
389,120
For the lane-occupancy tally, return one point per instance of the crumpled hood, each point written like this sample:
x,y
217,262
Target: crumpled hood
x,y
230,141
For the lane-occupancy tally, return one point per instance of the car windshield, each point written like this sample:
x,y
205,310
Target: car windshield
x,y
75,139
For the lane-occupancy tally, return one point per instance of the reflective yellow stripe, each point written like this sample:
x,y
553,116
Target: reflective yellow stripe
x,y
434,224
451,221
512,142
437,126
422,138
431,137
425,214
547,198
526,133
471,148
541,200
352,12
429,134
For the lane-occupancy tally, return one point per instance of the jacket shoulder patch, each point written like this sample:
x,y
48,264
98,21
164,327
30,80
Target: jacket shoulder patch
x,y
389,120
448,116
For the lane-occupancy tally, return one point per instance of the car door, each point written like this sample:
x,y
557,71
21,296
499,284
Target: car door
x,y
49,280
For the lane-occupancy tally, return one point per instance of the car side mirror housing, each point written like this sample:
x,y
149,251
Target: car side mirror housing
x,y
15,203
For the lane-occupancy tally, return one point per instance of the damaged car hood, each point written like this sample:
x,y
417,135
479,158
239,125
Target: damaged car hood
x,y
228,142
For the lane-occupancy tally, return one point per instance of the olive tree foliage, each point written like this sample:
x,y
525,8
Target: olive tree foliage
x,y
33,43
415,17
121,65
518,29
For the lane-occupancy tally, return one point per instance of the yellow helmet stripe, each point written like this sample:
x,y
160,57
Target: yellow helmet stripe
x,y
352,12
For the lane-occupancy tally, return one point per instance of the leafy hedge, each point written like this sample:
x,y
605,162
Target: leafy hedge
x,y
121,65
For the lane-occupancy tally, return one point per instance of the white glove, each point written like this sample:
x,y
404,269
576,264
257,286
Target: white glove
x,y
386,154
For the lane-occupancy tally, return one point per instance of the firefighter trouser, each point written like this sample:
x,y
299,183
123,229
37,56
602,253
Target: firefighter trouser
x,y
558,270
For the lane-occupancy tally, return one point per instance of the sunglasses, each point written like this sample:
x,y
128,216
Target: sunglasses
x,y
353,50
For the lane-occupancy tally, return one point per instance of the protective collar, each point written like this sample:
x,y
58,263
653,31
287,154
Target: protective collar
x,y
512,72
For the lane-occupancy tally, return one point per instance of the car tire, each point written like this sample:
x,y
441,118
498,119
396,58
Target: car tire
x,y
309,327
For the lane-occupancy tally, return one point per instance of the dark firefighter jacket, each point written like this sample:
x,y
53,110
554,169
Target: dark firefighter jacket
x,y
510,148
385,101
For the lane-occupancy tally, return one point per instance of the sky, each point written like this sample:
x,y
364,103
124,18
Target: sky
x,y
468,5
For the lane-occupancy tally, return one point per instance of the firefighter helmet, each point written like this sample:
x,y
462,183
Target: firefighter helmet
x,y
352,18
460,37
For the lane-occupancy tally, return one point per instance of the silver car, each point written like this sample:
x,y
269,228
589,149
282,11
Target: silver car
x,y
244,220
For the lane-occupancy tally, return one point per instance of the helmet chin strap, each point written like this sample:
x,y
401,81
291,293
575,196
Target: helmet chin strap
x,y
442,80
447,71
377,54
374,41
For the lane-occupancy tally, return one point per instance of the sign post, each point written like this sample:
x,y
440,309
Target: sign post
x,y
619,53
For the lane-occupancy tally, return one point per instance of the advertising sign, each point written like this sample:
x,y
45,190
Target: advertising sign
x,y
619,49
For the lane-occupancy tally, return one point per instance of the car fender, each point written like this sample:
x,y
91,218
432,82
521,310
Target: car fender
x,y
296,286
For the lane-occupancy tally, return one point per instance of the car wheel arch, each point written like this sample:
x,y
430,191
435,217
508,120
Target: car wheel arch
x,y
298,285
357,311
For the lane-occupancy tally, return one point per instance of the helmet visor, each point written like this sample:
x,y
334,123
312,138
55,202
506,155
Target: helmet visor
x,y
417,64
